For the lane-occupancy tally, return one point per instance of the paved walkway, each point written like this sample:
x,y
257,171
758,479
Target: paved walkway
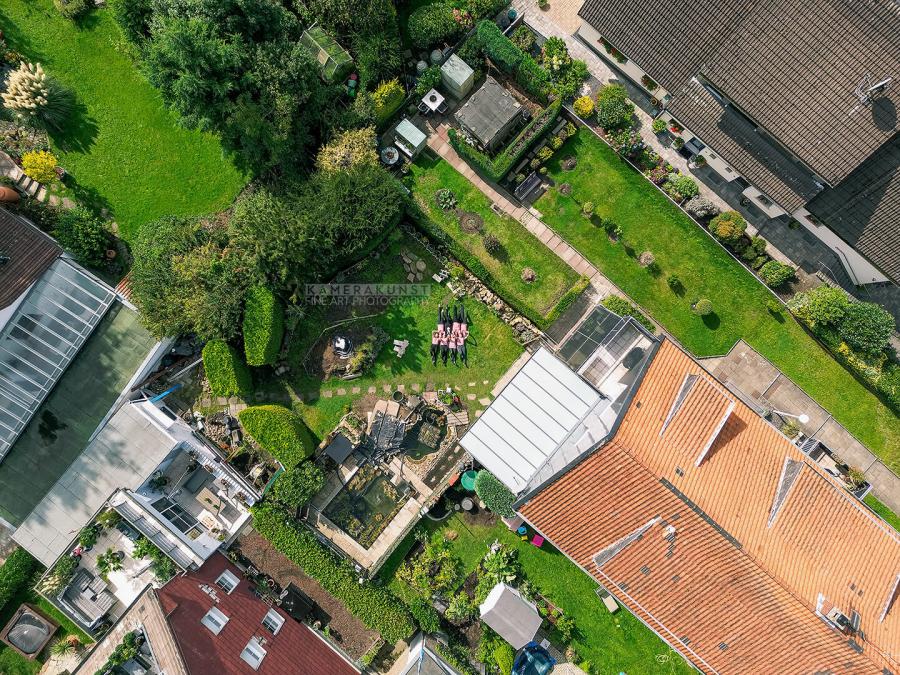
x,y
440,143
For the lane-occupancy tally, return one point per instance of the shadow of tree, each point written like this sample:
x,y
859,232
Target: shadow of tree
x,y
712,321
87,196
78,132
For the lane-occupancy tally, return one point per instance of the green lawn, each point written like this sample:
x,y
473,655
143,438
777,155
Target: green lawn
x,y
491,347
882,510
651,222
123,149
613,643
521,249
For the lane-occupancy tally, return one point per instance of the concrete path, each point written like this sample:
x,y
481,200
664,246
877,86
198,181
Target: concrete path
x,y
440,143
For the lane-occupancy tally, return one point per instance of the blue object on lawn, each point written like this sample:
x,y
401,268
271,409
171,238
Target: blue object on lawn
x,y
533,660
522,529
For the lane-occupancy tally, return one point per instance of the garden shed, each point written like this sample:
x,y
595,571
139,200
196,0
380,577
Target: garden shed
x,y
490,114
334,61
514,618
409,138
457,77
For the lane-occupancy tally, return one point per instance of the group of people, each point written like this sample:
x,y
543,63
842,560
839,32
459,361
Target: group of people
x,y
449,340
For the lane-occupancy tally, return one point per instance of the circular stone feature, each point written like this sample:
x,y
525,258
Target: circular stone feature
x,y
528,275
646,259
565,189
470,222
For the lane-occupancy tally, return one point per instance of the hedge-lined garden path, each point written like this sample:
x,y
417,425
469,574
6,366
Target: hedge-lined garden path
x,y
440,143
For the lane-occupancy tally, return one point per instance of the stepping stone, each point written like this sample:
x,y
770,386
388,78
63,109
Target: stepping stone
x,y
417,388
401,388
341,392
410,277
485,382
470,397
221,401
68,203
355,390
53,201
484,401
478,413
386,388
420,265
472,384
328,394
372,390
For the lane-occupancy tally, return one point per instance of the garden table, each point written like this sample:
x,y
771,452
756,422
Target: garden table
x,y
433,100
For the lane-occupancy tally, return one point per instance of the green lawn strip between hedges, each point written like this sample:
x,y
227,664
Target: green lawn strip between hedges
x,y
613,643
651,222
521,248
122,147
375,606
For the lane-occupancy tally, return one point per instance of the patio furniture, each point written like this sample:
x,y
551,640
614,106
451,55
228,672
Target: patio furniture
x,y
442,108
339,449
538,540
390,155
89,597
423,108
433,100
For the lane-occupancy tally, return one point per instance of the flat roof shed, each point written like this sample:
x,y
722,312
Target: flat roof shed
x,y
489,113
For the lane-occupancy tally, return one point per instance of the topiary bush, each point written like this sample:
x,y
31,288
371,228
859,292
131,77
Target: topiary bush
x,y
728,227
776,273
426,616
492,245
296,486
614,110
680,187
228,375
504,656
701,207
83,235
495,495
432,24
39,165
280,432
263,326
583,106
387,99
867,327
820,306
702,307
375,606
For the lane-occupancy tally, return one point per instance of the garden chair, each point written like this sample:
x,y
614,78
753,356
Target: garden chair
x,y
442,108
537,541
424,109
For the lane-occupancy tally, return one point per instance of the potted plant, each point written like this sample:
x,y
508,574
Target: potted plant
x,y
88,537
110,561
678,143
699,161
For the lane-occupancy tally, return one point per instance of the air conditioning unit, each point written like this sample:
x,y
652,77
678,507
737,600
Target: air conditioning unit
x,y
838,618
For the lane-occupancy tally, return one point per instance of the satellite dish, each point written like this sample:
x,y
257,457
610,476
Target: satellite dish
x,y
867,91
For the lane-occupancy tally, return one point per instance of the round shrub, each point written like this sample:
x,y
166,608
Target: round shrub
x,y
728,227
432,24
228,375
867,327
495,495
296,486
263,326
679,187
775,273
614,110
426,616
584,106
702,307
504,656
492,245
658,126
82,234
39,165
71,9
587,209
700,207
280,432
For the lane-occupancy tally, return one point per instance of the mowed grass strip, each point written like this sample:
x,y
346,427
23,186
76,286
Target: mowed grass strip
x,y
650,222
521,249
122,148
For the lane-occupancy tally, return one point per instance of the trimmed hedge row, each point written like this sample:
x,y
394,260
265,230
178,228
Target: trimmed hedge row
x,y
504,54
15,574
263,326
495,169
280,432
567,299
495,495
622,307
376,607
228,375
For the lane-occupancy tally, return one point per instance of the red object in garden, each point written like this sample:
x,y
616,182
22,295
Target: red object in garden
x,y
538,540
8,195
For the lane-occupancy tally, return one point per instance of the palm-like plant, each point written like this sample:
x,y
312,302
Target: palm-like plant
x,y
68,645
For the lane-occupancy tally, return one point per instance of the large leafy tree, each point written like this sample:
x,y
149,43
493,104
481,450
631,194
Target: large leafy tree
x,y
235,67
187,279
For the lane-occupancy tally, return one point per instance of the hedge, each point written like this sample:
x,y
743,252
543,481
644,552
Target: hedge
x,y
15,574
263,326
228,375
622,307
495,495
280,432
496,168
432,24
375,606
504,54
567,299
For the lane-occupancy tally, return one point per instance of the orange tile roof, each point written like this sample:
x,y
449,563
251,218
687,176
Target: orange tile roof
x,y
735,553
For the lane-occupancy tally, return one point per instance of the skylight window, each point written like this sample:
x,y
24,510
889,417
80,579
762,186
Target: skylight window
x,y
253,654
273,621
227,581
214,620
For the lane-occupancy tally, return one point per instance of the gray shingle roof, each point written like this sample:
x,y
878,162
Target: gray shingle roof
x,y
864,209
488,111
670,39
794,67
735,138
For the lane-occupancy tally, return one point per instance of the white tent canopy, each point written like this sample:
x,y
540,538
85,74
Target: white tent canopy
x,y
546,411
514,618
